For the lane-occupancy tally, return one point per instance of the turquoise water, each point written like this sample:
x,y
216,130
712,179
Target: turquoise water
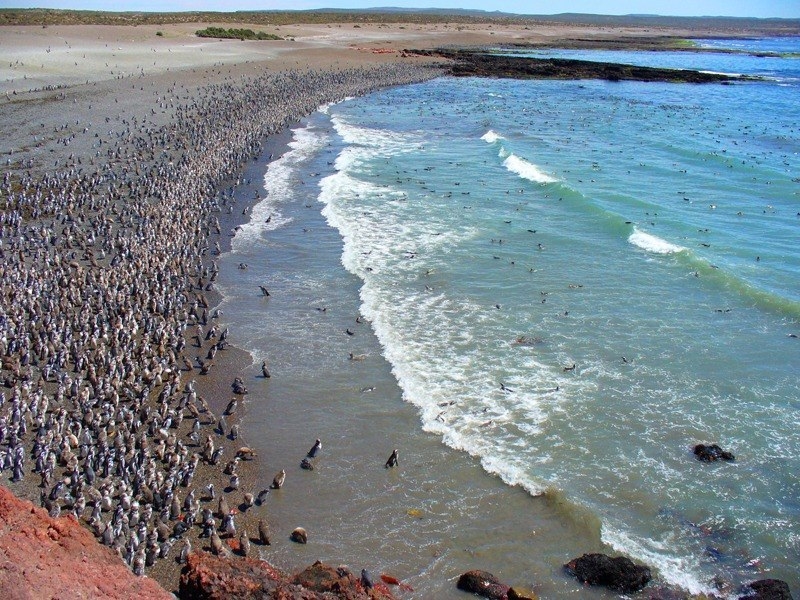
x,y
574,282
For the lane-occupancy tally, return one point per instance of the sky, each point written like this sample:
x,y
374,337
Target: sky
x,y
726,8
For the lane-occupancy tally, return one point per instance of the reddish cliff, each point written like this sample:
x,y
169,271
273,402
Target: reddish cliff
x,y
42,557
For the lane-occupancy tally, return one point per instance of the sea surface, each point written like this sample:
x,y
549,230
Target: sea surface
x,y
544,294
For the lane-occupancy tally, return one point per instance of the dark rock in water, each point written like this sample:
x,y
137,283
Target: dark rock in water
x,y
711,453
479,63
484,584
617,573
767,589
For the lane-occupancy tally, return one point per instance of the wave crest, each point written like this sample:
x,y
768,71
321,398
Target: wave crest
x,y
527,170
652,243
490,137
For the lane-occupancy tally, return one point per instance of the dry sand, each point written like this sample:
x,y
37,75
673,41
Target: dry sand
x,y
37,57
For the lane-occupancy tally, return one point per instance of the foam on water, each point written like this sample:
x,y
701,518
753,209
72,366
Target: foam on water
x,y
652,243
280,181
527,170
676,571
515,164
490,137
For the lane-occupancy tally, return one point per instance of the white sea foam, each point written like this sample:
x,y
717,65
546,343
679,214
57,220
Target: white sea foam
x,y
279,184
676,571
380,141
652,243
490,137
527,170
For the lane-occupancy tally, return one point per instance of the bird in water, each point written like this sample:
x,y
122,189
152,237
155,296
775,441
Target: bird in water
x,y
315,449
264,290
263,532
392,462
262,496
277,483
264,370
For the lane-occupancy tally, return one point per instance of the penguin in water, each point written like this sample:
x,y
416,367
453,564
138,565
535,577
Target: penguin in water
x,y
277,483
315,449
392,462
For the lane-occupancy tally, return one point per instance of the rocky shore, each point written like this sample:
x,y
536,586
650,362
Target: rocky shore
x,y
479,63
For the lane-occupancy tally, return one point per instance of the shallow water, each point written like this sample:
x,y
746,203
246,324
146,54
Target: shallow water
x,y
572,283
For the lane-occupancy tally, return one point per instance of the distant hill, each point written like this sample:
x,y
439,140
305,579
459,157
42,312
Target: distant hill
x,y
41,16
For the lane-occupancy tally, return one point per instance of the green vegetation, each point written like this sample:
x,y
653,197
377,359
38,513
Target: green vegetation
x,y
235,34
685,44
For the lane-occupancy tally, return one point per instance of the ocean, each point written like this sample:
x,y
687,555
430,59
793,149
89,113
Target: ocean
x,y
543,294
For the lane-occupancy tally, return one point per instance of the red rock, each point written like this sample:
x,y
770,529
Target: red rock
x,y
60,559
208,577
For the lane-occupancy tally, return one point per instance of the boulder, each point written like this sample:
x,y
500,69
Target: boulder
x,y
711,453
483,584
617,573
767,589
208,577
340,581
42,557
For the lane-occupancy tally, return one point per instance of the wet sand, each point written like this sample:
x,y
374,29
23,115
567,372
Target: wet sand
x,y
63,91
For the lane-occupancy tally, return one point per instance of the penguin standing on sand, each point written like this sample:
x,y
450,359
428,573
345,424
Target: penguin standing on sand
x,y
366,580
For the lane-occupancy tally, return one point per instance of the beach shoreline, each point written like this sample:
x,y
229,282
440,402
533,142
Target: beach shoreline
x,y
55,129
97,139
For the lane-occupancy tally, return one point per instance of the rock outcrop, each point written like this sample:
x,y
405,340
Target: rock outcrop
x,y
767,589
483,584
42,557
617,573
711,453
479,63
208,577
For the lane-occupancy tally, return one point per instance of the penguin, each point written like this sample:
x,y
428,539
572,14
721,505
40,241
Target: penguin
x,y
392,462
263,532
315,449
277,482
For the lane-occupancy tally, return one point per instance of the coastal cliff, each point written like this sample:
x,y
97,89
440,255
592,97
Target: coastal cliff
x,y
42,557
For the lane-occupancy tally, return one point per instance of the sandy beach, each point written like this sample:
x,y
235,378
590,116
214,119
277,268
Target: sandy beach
x,y
130,154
